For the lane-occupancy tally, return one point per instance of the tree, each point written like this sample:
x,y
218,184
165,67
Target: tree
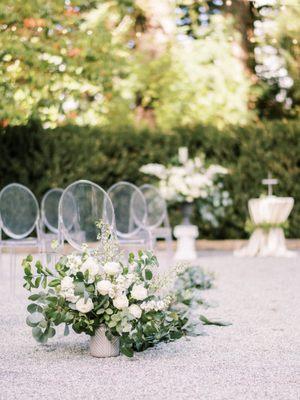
x,y
160,63
62,63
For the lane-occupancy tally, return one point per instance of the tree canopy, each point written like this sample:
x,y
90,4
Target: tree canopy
x,y
158,63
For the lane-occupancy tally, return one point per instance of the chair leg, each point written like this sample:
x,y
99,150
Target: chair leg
x,y
169,246
1,262
12,277
42,251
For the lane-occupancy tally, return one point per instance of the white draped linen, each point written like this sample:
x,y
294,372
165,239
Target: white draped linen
x,y
272,210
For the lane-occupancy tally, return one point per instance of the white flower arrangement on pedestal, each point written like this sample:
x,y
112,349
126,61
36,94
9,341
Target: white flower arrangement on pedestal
x,y
186,182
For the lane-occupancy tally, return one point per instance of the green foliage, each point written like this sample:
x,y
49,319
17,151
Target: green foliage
x,y
189,286
74,298
84,64
194,277
265,226
61,62
42,159
195,81
215,322
283,35
188,290
154,328
60,305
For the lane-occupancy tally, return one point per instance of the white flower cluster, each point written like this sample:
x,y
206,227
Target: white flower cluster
x,y
164,282
187,182
73,263
156,305
68,289
109,280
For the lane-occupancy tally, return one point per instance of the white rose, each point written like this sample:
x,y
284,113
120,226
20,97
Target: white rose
x,y
104,287
130,278
84,306
120,302
139,292
67,283
92,266
70,296
135,311
121,280
112,268
73,263
127,328
112,292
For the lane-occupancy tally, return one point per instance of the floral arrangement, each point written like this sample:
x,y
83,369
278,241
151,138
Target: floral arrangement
x,y
96,289
186,181
85,293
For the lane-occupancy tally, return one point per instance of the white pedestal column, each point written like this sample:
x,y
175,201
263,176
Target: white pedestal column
x,y
186,242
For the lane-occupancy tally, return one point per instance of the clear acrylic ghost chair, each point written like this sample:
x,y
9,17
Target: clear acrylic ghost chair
x,y
157,220
49,216
81,205
130,214
19,217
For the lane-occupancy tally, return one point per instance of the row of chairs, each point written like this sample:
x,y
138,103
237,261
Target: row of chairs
x,y
138,216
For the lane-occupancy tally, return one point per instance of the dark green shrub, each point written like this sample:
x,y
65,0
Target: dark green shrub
x,y
42,159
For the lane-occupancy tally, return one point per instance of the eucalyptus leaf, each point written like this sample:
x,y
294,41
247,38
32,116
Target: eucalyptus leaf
x,y
37,333
34,307
79,288
34,297
44,283
37,282
43,339
80,275
148,274
43,324
128,352
36,317
55,282
215,322
66,330
50,332
30,323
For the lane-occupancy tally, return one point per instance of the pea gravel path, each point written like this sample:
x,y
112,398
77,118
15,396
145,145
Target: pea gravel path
x,y
258,357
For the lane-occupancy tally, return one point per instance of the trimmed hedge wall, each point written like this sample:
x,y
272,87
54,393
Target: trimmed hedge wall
x,y
42,159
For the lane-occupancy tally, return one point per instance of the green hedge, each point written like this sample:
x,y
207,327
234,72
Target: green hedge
x,y
42,159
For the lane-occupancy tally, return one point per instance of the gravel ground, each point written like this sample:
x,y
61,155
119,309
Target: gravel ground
x,y
258,357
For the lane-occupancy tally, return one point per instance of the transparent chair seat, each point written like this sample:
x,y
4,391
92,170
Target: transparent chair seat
x,y
49,216
157,220
130,214
81,205
19,218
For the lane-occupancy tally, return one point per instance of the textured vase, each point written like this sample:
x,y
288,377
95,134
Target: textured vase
x,y
187,210
100,346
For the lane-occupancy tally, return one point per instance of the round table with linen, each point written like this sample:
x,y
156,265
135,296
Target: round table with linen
x,y
272,210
